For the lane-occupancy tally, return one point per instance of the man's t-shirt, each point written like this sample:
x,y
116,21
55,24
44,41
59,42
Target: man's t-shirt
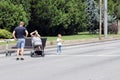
x,y
20,32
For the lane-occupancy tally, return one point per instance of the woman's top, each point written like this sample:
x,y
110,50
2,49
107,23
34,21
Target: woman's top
x,y
36,41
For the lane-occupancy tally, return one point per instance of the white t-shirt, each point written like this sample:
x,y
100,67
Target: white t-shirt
x,y
59,41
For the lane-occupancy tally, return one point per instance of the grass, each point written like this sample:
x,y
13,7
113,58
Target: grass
x,y
82,35
11,42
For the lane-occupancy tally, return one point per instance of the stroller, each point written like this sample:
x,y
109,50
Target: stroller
x,y
38,45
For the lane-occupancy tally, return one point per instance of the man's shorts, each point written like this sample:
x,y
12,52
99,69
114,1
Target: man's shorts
x,y
21,43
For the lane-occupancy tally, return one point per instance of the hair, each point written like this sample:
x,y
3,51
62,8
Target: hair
x,y
22,23
59,35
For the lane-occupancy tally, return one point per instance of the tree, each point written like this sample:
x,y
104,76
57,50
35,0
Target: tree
x,y
58,16
116,9
93,14
11,14
111,6
25,4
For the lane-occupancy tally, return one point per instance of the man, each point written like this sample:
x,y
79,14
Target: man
x,y
20,33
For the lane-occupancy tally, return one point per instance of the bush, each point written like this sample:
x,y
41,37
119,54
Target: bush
x,y
113,28
5,34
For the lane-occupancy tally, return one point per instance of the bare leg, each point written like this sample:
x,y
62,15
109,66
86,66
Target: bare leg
x,y
39,48
18,51
22,52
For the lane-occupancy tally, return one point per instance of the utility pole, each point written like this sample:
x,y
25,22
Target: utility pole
x,y
100,23
105,19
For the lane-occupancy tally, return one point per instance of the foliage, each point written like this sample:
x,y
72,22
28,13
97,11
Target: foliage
x,y
51,17
11,15
58,16
5,34
93,14
112,28
25,4
111,7
117,10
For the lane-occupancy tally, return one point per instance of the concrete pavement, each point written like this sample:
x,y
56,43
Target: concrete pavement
x,y
93,61
66,43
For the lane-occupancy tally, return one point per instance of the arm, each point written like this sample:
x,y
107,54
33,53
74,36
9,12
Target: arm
x,y
26,33
37,34
32,33
62,41
14,35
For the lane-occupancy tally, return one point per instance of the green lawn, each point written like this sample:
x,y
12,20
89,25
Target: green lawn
x,y
83,35
11,42
73,37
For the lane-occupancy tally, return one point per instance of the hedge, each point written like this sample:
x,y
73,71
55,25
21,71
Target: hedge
x,y
5,34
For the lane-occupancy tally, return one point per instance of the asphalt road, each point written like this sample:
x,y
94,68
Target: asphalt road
x,y
94,61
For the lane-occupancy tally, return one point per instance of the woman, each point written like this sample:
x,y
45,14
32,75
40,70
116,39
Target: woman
x,y
36,41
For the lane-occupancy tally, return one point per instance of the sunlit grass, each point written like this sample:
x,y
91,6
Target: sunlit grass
x,y
82,35
10,42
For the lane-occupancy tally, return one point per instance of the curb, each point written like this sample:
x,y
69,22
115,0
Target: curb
x,y
75,42
78,42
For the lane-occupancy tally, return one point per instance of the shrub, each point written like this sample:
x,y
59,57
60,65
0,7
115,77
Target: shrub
x,y
5,34
113,28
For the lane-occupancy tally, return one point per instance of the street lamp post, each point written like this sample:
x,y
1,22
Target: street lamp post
x,y
100,24
105,19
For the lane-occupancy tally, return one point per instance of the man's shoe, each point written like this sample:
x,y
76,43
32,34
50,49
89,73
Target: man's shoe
x,y
17,58
22,58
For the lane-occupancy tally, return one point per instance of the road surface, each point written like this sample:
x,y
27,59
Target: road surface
x,y
94,61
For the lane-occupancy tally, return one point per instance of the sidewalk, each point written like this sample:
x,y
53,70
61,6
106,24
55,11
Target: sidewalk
x,y
66,43
53,44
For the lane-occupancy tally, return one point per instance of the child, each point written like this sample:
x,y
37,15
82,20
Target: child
x,y
59,43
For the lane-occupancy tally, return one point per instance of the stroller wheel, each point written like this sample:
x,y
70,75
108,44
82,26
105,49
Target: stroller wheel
x,y
8,54
43,55
32,54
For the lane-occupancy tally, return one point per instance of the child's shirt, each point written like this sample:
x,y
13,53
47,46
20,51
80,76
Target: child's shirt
x,y
59,41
